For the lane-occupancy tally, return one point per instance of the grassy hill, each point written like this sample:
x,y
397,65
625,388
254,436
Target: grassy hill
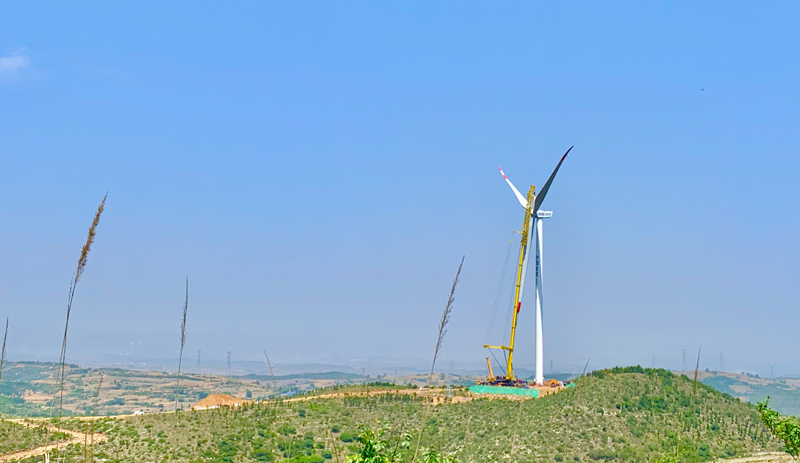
x,y
621,415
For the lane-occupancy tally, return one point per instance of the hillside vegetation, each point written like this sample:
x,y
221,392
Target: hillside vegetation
x,y
613,415
15,436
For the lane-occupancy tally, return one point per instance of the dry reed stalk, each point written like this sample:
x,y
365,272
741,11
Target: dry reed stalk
x,y
696,367
269,364
183,344
90,425
448,308
3,353
335,452
445,319
82,260
516,430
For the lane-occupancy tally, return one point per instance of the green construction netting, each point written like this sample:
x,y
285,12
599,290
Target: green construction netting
x,y
504,390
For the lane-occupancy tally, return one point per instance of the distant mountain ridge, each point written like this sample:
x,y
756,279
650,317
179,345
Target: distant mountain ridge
x,y
784,392
335,375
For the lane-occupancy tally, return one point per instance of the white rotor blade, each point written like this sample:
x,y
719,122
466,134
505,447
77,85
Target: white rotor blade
x,y
522,199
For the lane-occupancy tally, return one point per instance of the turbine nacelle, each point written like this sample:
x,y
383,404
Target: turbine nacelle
x,y
544,214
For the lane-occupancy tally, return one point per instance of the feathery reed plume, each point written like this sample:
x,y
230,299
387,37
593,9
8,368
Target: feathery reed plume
x,y
82,260
3,353
183,343
439,340
445,318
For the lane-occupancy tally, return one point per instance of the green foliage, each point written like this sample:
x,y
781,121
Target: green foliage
x,y
785,428
626,415
16,406
383,446
286,430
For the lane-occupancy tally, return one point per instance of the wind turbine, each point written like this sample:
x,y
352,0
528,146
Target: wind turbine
x,y
533,222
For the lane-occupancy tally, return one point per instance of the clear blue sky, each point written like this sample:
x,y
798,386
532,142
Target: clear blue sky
x,y
318,169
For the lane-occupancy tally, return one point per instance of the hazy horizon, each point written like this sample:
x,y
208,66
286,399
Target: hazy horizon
x,y
318,171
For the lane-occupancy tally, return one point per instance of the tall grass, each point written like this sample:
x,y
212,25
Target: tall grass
x,y
183,344
448,308
82,260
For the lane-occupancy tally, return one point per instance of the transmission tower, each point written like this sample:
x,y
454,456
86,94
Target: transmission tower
x,y
683,365
721,362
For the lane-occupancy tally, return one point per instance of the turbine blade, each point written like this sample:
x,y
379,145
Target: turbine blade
x,y
540,197
522,199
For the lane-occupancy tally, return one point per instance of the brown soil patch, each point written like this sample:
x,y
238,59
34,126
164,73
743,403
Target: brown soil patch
x,y
220,400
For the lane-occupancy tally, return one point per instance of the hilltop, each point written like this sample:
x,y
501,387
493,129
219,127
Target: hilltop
x,y
622,414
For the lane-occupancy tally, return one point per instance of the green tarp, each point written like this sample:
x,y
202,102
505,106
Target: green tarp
x,y
504,390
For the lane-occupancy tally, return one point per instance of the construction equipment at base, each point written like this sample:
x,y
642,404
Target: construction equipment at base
x,y
502,390
531,228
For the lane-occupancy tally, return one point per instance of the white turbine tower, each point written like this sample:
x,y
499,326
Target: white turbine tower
x,y
536,239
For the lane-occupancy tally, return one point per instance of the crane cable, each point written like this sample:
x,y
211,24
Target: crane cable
x,y
499,290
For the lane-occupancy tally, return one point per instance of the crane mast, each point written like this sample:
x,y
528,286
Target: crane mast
x,y
521,267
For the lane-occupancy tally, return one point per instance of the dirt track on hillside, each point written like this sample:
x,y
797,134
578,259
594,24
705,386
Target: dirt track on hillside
x,y
77,438
768,457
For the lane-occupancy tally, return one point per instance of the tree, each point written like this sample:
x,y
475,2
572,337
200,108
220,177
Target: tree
x,y
374,446
785,428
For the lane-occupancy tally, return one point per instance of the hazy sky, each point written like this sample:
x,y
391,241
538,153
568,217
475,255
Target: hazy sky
x,y
318,169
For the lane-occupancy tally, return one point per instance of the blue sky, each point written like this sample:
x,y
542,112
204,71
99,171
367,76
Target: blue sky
x,y
318,170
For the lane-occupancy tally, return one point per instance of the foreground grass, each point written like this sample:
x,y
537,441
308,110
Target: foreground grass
x,y
624,415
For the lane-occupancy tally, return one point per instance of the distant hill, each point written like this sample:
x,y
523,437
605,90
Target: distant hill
x,y
784,393
335,375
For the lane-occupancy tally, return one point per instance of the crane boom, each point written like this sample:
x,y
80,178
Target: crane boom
x,y
521,269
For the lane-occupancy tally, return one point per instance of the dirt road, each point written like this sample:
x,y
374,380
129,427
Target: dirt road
x,y
77,438
768,457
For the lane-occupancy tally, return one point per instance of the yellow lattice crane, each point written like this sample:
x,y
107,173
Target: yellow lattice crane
x,y
519,283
